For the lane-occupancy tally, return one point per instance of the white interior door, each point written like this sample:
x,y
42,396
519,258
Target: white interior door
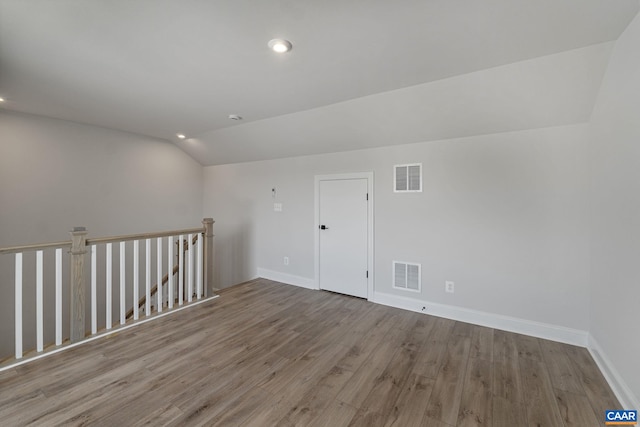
x,y
343,236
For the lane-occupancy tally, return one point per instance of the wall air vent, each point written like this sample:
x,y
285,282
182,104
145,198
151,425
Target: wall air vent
x,y
407,276
407,178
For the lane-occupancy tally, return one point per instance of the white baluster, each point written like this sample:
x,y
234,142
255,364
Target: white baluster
x,y
123,288
200,238
59,296
170,270
136,279
181,270
159,273
190,269
39,304
94,289
109,284
18,306
147,306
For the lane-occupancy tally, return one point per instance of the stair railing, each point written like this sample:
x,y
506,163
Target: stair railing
x,y
196,270
167,279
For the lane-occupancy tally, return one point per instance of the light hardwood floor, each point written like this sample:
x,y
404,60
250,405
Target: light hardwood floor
x,y
267,354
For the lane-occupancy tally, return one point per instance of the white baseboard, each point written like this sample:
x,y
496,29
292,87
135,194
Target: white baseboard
x,y
496,321
627,398
289,279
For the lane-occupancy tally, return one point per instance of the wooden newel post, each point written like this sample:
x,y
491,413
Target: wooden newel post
x,y
77,285
208,256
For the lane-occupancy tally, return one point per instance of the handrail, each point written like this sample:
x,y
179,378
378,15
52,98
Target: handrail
x,y
154,290
165,278
36,247
140,236
99,240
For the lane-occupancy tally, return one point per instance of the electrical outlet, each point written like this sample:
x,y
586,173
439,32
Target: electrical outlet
x,y
449,287
286,260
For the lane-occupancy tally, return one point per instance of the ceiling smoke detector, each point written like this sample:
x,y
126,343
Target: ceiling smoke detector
x,y
235,117
280,45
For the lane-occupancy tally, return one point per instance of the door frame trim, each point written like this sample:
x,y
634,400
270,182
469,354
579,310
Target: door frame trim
x,y
370,221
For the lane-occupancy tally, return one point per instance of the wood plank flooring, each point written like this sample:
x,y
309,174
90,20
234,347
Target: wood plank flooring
x,y
268,354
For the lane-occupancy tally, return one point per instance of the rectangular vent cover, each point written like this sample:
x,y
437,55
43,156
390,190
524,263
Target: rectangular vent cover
x,y
407,276
407,178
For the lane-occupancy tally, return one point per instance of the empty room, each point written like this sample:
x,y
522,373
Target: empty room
x,y
320,213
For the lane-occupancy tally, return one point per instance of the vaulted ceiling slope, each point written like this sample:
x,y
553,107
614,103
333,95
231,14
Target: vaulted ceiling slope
x,y
361,73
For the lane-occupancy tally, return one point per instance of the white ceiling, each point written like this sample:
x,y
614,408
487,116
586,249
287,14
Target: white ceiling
x,y
361,73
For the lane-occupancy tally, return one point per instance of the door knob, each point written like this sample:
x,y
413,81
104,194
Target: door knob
x,y
323,227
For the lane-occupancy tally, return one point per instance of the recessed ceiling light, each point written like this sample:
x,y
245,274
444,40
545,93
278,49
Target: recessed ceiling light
x,y
181,136
280,45
1,99
235,117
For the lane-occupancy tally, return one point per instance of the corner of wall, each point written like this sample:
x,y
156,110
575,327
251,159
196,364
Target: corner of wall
x,y
617,383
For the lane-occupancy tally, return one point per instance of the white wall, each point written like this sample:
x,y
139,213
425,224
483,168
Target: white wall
x,y
503,215
55,175
615,222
